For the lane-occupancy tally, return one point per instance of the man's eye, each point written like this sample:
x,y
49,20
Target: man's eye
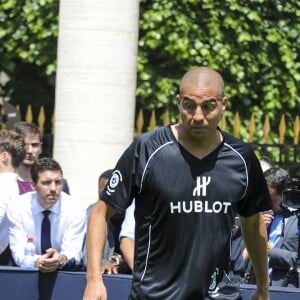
x,y
35,145
209,106
188,105
46,182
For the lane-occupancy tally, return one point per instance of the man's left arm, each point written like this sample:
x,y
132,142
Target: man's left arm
x,y
73,237
255,237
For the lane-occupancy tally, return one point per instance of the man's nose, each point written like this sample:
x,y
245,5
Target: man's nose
x,y
52,186
29,147
198,113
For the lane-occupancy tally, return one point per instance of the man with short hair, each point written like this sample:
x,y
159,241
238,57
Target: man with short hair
x,y
189,180
282,226
33,141
67,218
12,152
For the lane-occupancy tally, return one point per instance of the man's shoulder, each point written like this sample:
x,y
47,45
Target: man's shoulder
x,y
22,204
9,188
236,143
26,197
156,137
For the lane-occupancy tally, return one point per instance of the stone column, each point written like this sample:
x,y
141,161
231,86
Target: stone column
x,y
95,89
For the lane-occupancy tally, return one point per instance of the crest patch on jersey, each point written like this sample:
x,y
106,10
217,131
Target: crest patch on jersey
x,y
114,181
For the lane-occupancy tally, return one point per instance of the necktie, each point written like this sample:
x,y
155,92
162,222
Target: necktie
x,y
46,232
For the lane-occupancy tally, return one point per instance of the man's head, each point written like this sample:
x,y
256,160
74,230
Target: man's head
x,y
201,101
12,149
103,178
33,141
47,181
277,180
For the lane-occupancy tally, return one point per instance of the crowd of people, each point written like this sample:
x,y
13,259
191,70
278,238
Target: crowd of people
x,y
33,193
184,203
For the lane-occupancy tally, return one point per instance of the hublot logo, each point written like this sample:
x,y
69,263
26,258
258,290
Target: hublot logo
x,y
202,183
197,205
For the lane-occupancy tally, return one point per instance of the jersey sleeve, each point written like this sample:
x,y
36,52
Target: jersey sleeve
x,y
256,196
124,182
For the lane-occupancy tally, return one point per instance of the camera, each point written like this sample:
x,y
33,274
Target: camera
x,y
291,196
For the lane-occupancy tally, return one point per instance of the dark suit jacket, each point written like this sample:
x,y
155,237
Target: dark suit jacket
x,y
284,254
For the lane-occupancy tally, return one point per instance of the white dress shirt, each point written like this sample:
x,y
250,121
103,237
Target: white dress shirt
x,y
8,189
128,225
68,225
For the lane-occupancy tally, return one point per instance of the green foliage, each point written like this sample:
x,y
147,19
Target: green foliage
x,y
28,34
255,44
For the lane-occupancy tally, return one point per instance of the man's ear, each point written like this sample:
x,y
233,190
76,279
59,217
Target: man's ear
x,y
224,103
4,156
178,101
33,185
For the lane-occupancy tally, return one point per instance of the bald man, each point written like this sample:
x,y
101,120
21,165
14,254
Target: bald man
x,y
189,180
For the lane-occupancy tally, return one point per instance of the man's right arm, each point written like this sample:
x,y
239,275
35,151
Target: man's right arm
x,y
17,232
255,237
127,249
96,236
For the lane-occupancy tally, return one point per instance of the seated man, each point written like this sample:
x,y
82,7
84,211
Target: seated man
x,y
67,216
282,232
112,261
12,152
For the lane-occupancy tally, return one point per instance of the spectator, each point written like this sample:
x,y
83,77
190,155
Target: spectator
x,y
12,152
67,220
189,180
282,227
282,230
111,257
33,141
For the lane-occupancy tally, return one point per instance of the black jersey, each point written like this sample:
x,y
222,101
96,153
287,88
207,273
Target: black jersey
x,y
184,210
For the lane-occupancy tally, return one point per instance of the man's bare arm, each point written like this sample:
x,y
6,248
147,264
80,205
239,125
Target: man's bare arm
x,y
96,236
127,248
255,237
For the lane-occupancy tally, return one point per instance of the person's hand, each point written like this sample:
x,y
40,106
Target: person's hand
x,y
48,262
95,290
269,248
260,295
109,267
267,216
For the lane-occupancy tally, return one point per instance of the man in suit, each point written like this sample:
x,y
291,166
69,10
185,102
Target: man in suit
x,y
282,231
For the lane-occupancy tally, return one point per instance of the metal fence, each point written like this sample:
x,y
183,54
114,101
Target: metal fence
x,y
280,151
